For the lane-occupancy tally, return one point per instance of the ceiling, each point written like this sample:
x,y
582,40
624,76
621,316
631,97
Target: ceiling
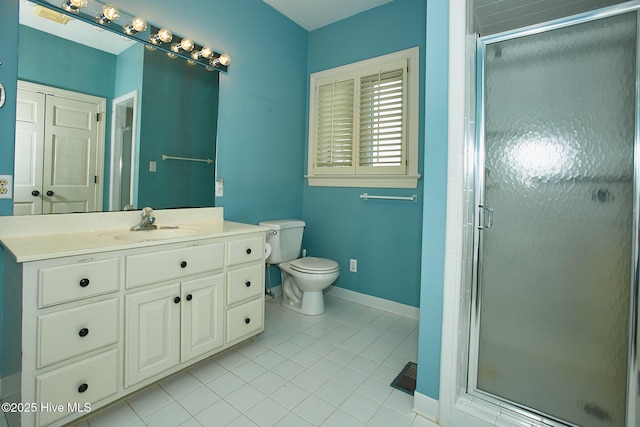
x,y
489,16
313,14
495,16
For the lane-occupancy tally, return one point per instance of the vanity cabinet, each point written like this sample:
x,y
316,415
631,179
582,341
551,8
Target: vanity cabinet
x,y
172,324
90,329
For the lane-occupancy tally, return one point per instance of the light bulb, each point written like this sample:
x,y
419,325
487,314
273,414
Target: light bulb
x,y
185,44
223,59
137,25
206,52
109,14
163,36
74,5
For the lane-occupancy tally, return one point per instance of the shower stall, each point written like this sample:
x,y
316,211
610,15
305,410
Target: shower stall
x,y
555,176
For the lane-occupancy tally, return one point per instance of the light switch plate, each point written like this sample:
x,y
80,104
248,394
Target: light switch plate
x,y
220,188
6,186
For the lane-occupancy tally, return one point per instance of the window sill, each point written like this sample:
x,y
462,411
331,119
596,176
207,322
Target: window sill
x,y
370,181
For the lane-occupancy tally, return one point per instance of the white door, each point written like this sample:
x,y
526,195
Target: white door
x,y
153,332
29,148
70,147
59,151
202,316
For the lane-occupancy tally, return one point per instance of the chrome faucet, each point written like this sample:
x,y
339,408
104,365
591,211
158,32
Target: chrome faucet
x,y
147,221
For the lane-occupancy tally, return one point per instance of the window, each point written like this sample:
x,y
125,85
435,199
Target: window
x,y
363,123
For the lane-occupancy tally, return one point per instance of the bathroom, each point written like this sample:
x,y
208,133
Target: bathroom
x,y
400,247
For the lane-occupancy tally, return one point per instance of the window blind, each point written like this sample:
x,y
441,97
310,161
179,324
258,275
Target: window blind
x,y
382,112
335,124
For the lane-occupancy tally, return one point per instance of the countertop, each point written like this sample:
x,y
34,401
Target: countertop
x,y
31,244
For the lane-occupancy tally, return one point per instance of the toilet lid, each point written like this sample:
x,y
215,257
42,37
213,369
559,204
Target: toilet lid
x,y
314,265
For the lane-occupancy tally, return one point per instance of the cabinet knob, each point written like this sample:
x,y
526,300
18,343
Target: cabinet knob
x,y
176,300
50,193
247,320
83,332
83,388
84,282
35,193
247,283
189,297
248,251
183,264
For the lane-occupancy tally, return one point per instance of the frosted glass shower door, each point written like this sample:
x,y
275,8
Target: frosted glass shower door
x,y
555,186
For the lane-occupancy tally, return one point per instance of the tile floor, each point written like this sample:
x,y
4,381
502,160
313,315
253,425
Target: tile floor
x,y
327,370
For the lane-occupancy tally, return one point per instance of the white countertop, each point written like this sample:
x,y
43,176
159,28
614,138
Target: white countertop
x,y
41,237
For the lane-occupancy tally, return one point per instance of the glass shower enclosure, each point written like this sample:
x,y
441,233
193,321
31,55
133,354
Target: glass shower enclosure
x,y
553,316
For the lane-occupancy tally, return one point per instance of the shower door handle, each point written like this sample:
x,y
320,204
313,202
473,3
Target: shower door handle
x,y
485,220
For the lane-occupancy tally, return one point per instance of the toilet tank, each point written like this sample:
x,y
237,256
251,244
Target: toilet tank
x,y
285,238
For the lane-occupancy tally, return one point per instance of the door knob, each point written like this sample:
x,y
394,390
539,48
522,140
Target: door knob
x,y
50,193
35,193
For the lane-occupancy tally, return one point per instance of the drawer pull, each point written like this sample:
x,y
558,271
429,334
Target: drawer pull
x,y
247,283
247,320
83,388
176,300
189,297
83,332
249,251
183,264
84,282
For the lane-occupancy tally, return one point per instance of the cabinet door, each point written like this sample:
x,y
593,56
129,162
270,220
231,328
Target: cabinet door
x,y
202,315
153,332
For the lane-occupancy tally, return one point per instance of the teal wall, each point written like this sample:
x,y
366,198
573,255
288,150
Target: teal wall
x,y
435,198
384,236
129,66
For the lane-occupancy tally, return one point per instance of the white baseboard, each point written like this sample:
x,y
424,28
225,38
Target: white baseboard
x,y
374,302
425,406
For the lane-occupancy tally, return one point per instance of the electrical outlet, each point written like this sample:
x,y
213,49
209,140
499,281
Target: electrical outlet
x,y
353,265
220,188
5,186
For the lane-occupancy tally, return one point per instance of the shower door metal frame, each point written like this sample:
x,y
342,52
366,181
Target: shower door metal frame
x,y
475,182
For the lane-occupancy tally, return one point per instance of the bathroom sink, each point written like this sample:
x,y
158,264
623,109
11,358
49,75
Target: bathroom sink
x,y
159,233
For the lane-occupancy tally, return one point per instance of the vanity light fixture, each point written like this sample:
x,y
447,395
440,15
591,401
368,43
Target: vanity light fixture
x,y
136,25
206,52
162,36
223,59
185,44
74,6
109,14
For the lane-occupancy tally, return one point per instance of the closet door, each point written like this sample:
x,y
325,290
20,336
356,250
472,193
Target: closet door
x,y
27,179
70,149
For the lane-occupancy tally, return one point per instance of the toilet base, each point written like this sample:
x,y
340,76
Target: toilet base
x,y
312,303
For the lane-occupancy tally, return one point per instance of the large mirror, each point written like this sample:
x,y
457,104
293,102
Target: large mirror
x,y
104,123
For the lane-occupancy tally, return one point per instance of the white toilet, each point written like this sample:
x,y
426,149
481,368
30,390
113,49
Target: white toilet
x,y
303,279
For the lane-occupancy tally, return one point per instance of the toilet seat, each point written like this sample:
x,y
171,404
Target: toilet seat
x,y
314,265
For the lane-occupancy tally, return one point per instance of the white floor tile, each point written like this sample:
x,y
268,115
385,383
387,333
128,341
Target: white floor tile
x,y
314,410
267,413
327,370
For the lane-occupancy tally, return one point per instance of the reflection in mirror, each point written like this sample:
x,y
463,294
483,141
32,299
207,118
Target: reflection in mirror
x,y
153,106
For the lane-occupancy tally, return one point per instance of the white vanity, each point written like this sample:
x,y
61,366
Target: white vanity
x,y
94,311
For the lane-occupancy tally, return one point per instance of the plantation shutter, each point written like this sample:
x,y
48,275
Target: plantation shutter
x,y
382,121
335,127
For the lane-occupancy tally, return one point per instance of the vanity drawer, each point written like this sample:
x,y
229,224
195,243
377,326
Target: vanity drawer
x,y
245,283
245,250
170,264
245,319
67,333
87,381
76,281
